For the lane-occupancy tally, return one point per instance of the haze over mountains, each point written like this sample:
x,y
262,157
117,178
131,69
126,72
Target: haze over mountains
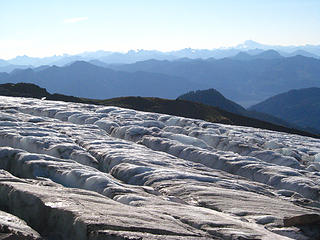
x,y
249,46
87,80
246,82
110,153
247,74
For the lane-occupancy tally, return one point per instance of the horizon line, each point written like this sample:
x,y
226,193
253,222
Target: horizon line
x,y
164,51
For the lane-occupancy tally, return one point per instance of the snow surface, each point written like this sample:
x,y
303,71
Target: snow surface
x,y
135,157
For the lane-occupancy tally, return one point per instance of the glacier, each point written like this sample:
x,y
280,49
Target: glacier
x,y
81,171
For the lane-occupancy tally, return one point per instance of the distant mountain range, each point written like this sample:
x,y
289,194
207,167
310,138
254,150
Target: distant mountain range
x,y
132,56
87,80
246,82
286,51
150,104
301,107
268,54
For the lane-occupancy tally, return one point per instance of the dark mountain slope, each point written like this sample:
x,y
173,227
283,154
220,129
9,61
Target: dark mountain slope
x,y
174,107
214,98
34,91
87,80
301,107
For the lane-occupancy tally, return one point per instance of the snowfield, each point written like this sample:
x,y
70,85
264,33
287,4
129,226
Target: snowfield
x,y
78,171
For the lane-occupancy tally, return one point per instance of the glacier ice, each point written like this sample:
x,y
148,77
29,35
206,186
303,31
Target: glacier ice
x,y
95,172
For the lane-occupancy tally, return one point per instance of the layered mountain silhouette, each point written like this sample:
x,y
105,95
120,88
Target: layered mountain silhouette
x,y
87,80
269,54
284,50
10,67
302,53
249,46
176,107
246,82
301,107
214,98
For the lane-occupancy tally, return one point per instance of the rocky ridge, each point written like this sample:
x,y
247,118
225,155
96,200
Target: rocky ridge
x,y
81,171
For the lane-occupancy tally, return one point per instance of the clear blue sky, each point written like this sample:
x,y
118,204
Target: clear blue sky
x,y
45,27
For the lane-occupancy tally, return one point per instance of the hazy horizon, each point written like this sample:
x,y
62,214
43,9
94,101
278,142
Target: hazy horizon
x,y
163,51
44,28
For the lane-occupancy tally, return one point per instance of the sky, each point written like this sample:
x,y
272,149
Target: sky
x,y
41,28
